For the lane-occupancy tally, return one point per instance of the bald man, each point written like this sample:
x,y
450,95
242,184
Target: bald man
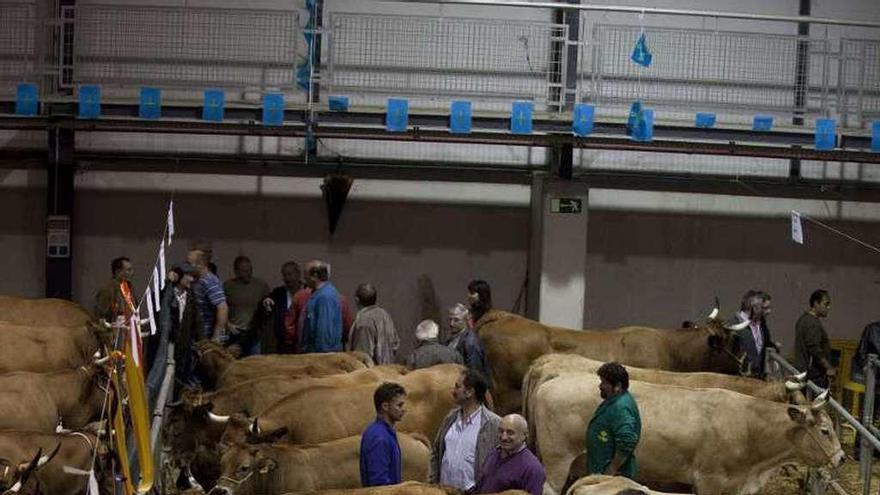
x,y
512,466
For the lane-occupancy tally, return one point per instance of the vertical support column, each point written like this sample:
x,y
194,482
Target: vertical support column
x,y
59,208
564,54
558,252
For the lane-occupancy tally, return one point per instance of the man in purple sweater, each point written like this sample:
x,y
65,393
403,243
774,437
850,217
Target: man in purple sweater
x,y
512,466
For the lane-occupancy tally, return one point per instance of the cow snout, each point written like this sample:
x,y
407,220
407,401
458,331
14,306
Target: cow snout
x,y
220,490
838,459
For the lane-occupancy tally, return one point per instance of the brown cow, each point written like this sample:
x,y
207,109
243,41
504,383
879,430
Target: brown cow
x,y
45,348
75,452
325,413
715,440
221,369
408,488
608,485
277,468
512,343
36,401
39,312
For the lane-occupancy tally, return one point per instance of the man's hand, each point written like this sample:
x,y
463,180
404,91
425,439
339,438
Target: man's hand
x,y
268,304
233,329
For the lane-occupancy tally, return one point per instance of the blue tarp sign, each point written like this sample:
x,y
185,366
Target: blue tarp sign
x,y
640,54
705,120
338,103
762,123
460,117
89,102
875,136
273,109
397,115
150,103
212,110
26,100
582,120
644,128
521,117
826,134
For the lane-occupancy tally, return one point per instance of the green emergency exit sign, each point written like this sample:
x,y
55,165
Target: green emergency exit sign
x,y
566,205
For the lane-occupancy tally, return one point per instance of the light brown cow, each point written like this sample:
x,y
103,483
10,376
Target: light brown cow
x,y
718,441
39,312
75,452
512,343
276,468
36,401
408,488
45,348
221,369
345,411
609,485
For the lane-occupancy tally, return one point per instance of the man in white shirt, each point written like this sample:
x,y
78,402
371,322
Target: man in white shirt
x,y
755,338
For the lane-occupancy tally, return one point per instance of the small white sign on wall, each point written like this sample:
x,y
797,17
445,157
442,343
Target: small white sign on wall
x,y
797,229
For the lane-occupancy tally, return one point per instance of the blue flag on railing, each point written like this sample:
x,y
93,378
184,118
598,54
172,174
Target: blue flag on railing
x,y
150,103
460,117
582,120
213,106
826,134
397,115
640,54
635,114
705,120
89,102
644,129
273,109
26,100
521,117
762,123
875,136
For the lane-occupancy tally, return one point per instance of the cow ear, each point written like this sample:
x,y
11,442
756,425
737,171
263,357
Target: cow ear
x,y
797,414
267,465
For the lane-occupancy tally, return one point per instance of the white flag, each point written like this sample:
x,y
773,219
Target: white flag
x,y
150,316
135,350
797,230
162,271
156,289
170,221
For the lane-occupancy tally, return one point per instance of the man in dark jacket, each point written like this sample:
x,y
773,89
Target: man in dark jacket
x,y
755,337
429,350
184,321
811,345
466,342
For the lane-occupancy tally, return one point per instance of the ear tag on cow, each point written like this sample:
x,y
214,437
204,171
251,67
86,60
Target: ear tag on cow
x,y
264,469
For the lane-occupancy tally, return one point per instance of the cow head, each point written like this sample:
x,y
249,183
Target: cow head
x,y
14,478
243,430
725,353
813,435
243,467
213,361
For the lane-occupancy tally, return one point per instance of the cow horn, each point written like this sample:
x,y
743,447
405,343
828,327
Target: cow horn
x,y
738,326
46,458
794,385
715,309
217,418
255,428
800,377
193,482
101,361
820,400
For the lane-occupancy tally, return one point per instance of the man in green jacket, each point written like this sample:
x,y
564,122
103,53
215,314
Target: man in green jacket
x,y
615,427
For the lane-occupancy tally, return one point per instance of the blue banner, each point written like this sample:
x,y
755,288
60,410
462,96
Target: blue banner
x,y
338,103
27,100
875,136
640,54
89,102
582,120
762,123
826,134
150,103
213,106
705,120
521,117
460,117
273,109
397,115
635,114
644,129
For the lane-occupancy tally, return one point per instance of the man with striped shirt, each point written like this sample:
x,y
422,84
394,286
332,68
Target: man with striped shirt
x,y
210,298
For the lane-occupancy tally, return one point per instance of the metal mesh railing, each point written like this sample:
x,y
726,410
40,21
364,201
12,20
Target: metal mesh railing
x,y
185,46
18,23
705,69
859,80
447,57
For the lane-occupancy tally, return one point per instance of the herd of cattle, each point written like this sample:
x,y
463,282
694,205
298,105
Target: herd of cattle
x,y
278,424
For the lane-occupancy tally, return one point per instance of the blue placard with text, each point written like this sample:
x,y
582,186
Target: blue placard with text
x,y
273,109
460,117
397,115
27,100
582,119
212,111
150,103
338,103
89,102
826,134
705,120
521,117
762,123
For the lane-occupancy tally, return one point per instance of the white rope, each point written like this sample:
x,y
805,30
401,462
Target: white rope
x,y
842,234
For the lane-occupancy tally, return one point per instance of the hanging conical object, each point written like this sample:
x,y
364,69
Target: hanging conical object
x,y
335,191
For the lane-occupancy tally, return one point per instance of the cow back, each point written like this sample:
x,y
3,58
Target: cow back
x,y
42,311
44,348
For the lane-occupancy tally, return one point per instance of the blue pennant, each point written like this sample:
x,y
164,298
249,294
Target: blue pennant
x,y
826,134
150,103
397,115
582,120
273,109
26,100
460,117
521,117
640,54
213,106
89,102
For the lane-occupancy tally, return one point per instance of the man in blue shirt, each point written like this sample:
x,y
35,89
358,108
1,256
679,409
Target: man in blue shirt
x,y
322,331
380,453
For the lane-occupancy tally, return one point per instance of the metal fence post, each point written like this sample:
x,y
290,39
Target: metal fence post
x,y
867,450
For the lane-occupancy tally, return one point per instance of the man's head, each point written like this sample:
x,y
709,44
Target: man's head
x,y
820,303
365,295
479,294
512,433
198,259
390,402
291,275
470,388
614,379
756,304
186,274
243,268
317,272
121,268
458,318
427,330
